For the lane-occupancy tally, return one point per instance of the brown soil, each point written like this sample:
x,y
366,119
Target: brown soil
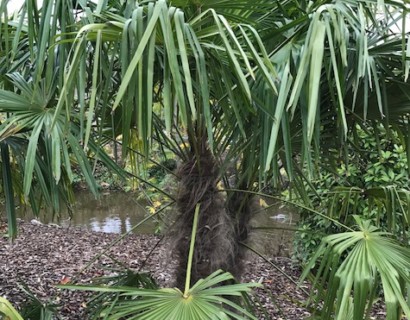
x,y
44,256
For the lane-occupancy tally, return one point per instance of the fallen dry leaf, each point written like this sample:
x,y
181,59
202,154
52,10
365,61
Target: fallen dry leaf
x,y
65,280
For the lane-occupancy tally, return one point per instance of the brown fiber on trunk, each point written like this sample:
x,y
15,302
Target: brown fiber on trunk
x,y
216,246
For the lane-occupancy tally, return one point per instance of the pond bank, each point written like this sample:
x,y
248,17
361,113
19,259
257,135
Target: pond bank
x,y
44,256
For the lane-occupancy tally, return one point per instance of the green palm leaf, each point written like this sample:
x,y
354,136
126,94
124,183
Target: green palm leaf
x,y
207,299
352,264
8,310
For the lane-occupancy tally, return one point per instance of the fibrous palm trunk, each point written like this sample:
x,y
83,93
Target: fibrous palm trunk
x,y
216,244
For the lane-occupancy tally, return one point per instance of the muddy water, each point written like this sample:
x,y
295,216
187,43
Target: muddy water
x,y
272,231
113,212
117,212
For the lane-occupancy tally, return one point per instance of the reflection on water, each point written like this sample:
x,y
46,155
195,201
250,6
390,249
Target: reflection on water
x,y
273,231
113,212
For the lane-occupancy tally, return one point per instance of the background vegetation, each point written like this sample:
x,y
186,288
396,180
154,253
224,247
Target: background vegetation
x,y
371,182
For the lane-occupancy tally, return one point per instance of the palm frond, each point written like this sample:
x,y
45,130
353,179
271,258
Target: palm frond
x,y
8,310
352,263
204,300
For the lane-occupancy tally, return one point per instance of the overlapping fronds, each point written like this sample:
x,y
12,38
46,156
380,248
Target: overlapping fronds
x,y
40,146
271,85
204,300
274,82
339,62
352,264
165,57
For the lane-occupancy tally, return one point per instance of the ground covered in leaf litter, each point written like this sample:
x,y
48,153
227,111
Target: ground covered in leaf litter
x,y
44,256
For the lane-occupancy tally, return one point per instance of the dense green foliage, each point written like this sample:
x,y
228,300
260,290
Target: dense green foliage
x,y
370,181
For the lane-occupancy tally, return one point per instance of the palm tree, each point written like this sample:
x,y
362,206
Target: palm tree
x,y
331,68
38,145
250,88
167,65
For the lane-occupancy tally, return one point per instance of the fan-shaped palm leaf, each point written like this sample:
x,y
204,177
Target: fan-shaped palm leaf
x,y
207,299
352,264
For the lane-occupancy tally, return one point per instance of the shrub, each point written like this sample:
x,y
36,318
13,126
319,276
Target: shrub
x,y
372,182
